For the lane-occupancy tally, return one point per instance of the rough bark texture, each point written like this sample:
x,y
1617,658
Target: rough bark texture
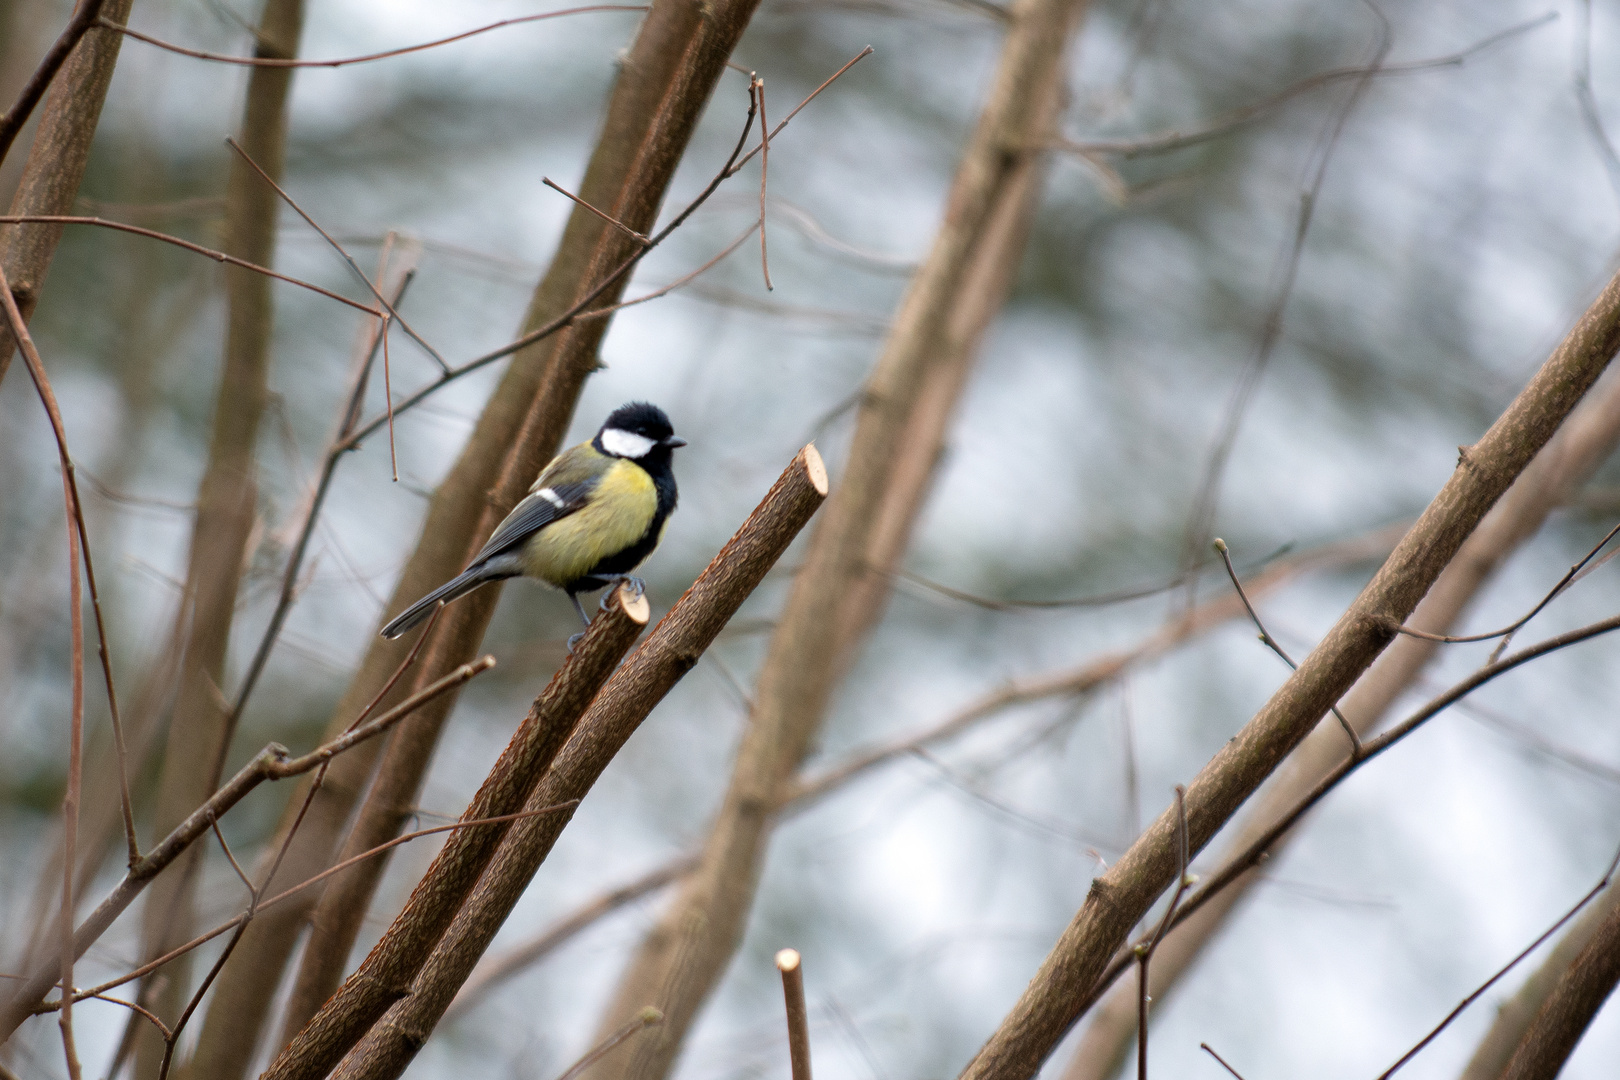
x,y
1119,898
1563,466
388,969
1569,1009
1515,1015
900,426
669,652
56,161
226,502
663,84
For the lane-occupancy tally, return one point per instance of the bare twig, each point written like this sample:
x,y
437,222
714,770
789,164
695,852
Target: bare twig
x,y
153,234
1206,1048
1206,500
649,1016
444,365
638,237
1509,966
758,86
287,62
1236,119
1144,951
798,1020
1271,643
1574,574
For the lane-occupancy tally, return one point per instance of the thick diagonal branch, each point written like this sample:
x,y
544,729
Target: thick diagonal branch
x,y
1061,988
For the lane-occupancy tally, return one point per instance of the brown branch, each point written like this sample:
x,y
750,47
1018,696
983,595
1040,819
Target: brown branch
x,y
286,62
1515,1016
391,964
640,237
671,650
271,763
1256,852
217,256
1062,987
798,1021
1585,441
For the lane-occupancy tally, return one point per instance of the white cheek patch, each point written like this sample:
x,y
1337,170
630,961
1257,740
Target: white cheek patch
x,y
627,444
551,497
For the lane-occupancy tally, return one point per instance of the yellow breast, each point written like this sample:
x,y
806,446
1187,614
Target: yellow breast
x,y
615,518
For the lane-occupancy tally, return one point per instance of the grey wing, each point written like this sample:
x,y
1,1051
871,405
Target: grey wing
x,y
536,511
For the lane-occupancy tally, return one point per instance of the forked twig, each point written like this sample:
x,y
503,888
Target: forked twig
x,y
1144,951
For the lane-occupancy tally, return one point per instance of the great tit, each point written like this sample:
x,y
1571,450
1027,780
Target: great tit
x,y
594,514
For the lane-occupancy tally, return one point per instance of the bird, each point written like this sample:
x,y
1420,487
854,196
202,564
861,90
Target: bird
x,y
595,512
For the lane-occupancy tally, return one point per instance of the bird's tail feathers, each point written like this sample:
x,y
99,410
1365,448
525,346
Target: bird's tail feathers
x,y
458,586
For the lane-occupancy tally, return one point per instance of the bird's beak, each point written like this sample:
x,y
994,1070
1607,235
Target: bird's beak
x,y
674,441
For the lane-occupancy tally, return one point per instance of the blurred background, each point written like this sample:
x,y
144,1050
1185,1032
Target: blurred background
x,y
1467,215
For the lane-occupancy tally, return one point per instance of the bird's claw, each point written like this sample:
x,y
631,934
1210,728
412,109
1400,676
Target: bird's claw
x,y
636,586
574,640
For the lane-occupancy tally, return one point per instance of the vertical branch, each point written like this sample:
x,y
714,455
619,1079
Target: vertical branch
x,y
74,521
1584,443
798,1020
56,161
661,90
905,410
199,732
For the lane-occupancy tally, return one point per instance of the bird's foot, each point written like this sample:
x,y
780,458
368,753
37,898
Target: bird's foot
x,y
636,585
574,640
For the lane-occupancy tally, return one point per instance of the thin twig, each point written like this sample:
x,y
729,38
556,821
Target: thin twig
x,y
1251,856
1569,578
1205,1047
1206,501
444,365
640,238
74,522
1241,117
153,234
1608,874
1144,952
758,85
288,894
684,279
267,61
1271,642
646,1019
